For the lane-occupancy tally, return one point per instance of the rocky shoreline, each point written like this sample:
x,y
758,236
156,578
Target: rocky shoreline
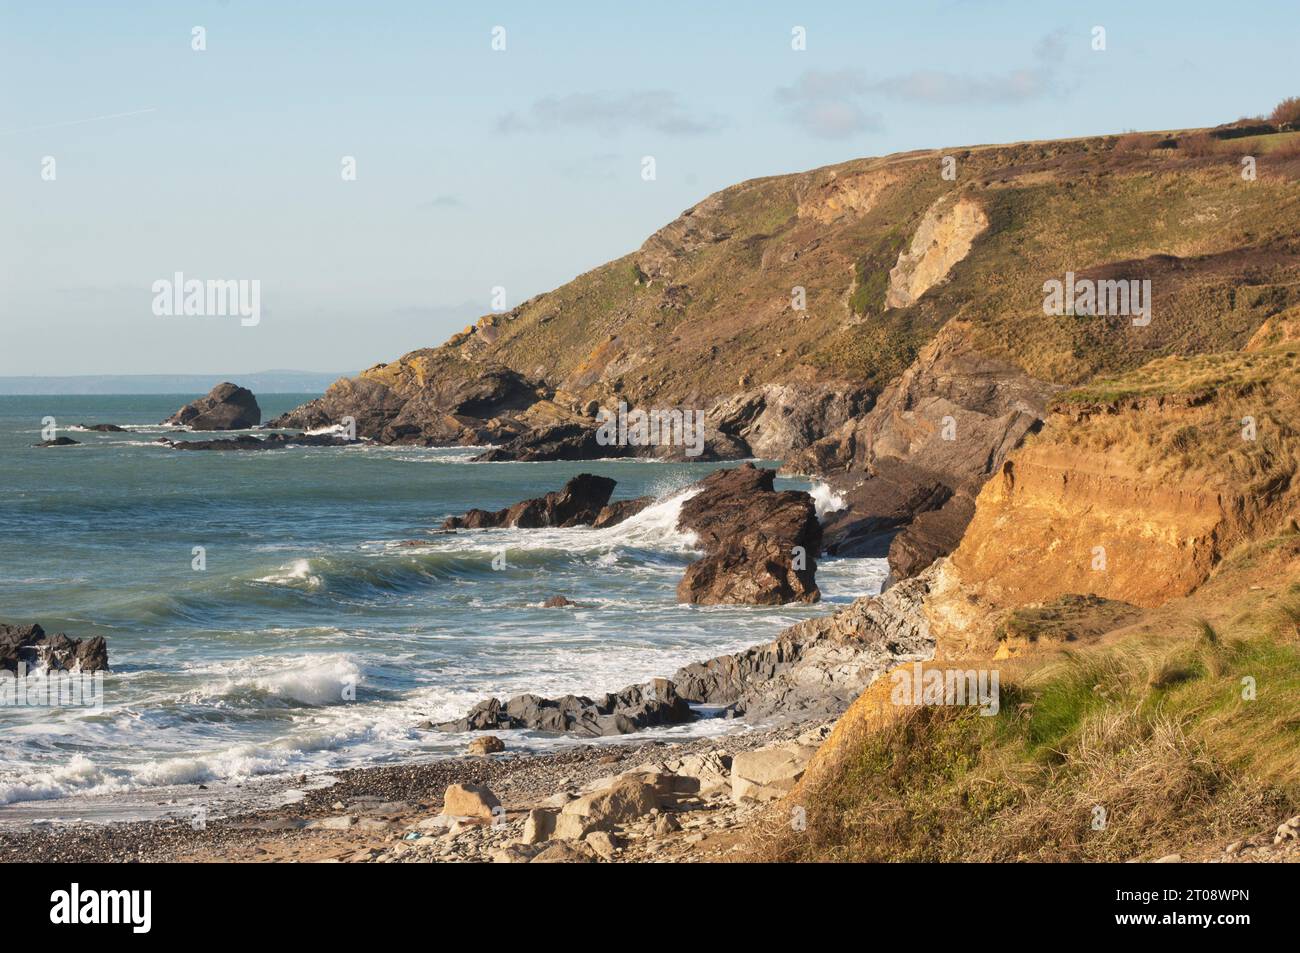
x,y
396,813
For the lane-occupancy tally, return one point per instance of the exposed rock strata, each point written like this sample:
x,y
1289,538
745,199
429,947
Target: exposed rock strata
x,y
819,666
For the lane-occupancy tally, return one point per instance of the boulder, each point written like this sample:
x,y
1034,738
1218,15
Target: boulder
x,y
539,826
58,442
566,852
469,800
626,800
488,744
708,772
770,773
603,843
30,645
226,407
558,602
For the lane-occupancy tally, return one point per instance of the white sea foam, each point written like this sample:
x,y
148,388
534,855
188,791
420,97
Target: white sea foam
x,y
297,574
825,499
305,679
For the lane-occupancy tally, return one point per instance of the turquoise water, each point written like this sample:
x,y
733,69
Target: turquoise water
x,y
244,668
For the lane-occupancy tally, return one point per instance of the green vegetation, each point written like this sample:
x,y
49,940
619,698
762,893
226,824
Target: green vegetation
x,y
1157,732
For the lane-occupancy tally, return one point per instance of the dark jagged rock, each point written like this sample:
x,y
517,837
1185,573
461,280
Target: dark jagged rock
x,y
878,505
614,513
634,708
930,535
451,401
58,442
558,602
578,504
103,428
29,645
226,407
274,441
760,545
577,441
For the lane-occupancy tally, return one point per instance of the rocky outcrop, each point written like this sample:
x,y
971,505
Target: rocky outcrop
x,y
226,407
817,667
103,428
58,442
760,545
579,503
909,469
272,441
775,419
943,238
634,708
429,397
32,647
578,441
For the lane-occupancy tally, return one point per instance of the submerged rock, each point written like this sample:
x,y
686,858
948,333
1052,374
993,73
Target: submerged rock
x,y
226,407
103,428
30,645
58,442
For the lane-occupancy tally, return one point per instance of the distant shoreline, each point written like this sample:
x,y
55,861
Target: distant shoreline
x,y
140,385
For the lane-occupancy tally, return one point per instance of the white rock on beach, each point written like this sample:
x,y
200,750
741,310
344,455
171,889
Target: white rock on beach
x,y
768,774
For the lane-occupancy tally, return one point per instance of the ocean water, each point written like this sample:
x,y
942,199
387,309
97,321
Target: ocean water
x,y
241,669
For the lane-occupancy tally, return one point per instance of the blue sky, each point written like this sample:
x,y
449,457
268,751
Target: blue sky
x,y
518,168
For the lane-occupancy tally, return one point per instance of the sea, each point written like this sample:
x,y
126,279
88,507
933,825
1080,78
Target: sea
x,y
299,611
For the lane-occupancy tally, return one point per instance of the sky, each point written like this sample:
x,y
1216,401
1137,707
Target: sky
x,y
127,155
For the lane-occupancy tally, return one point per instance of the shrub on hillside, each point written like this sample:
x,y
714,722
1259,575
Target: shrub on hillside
x,y
1198,144
1137,142
1287,111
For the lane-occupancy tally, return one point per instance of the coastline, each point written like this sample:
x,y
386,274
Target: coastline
x,y
385,804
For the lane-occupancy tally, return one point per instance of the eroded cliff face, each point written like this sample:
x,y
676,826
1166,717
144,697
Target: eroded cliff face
x,y
943,238
1134,491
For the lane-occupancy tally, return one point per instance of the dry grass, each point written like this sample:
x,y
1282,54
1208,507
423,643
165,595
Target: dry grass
x,y
1191,416
1153,732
